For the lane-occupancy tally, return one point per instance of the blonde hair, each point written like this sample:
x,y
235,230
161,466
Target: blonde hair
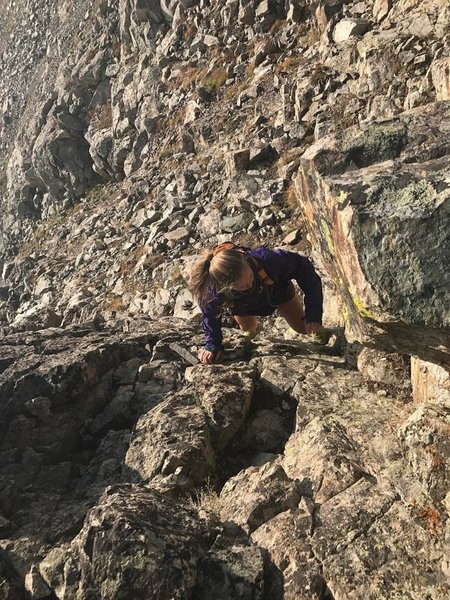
x,y
219,272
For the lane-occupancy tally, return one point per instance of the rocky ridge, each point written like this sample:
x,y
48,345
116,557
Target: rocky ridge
x,y
282,473
175,125
133,135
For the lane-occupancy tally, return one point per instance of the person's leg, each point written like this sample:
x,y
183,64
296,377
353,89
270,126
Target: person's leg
x,y
249,323
292,311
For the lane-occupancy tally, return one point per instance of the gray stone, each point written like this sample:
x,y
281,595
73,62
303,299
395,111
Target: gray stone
x,y
174,435
177,235
268,491
391,320
348,28
125,543
224,395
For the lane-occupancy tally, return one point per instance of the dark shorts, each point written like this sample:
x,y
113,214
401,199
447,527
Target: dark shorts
x,y
280,292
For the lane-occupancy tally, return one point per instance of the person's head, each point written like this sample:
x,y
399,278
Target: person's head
x,y
227,271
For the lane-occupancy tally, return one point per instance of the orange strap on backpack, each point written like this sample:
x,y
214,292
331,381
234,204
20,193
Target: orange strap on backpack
x,y
262,273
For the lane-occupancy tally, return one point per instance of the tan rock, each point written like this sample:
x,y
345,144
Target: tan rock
x,y
440,73
323,459
430,383
286,538
256,495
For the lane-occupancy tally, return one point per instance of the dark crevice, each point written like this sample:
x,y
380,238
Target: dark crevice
x,y
238,455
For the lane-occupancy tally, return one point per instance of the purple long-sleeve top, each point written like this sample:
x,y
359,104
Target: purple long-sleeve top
x,y
281,266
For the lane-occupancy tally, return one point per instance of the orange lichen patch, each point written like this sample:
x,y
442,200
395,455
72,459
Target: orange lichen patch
x,y
435,458
431,518
114,304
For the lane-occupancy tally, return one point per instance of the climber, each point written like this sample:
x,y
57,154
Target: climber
x,y
253,282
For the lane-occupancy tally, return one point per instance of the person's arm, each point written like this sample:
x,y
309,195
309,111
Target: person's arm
x,y
212,326
290,265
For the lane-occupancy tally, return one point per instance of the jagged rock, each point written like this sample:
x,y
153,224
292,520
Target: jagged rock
x,y
323,459
233,571
224,395
233,224
292,238
35,586
173,438
177,235
352,228
138,22
256,495
134,539
37,317
325,10
238,161
440,73
386,537
430,383
266,154
426,448
381,9
348,28
292,569
191,113
388,369
62,162
295,12
421,26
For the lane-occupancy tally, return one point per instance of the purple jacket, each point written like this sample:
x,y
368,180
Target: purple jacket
x,y
281,266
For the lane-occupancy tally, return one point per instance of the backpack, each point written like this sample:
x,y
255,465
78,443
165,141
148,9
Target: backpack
x,y
263,275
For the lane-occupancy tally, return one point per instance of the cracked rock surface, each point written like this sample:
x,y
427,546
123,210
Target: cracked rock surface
x,y
127,472
133,134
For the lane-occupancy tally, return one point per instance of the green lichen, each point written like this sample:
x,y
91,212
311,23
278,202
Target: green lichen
x,y
327,233
341,198
362,310
416,199
376,143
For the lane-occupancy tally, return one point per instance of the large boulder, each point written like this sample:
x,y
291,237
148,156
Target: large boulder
x,y
172,442
377,201
256,495
136,543
292,567
367,542
224,395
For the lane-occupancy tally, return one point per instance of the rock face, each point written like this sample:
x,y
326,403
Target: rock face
x,y
133,517
377,200
133,135
122,471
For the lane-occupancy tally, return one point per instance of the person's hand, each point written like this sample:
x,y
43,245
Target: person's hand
x,y
207,357
313,328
